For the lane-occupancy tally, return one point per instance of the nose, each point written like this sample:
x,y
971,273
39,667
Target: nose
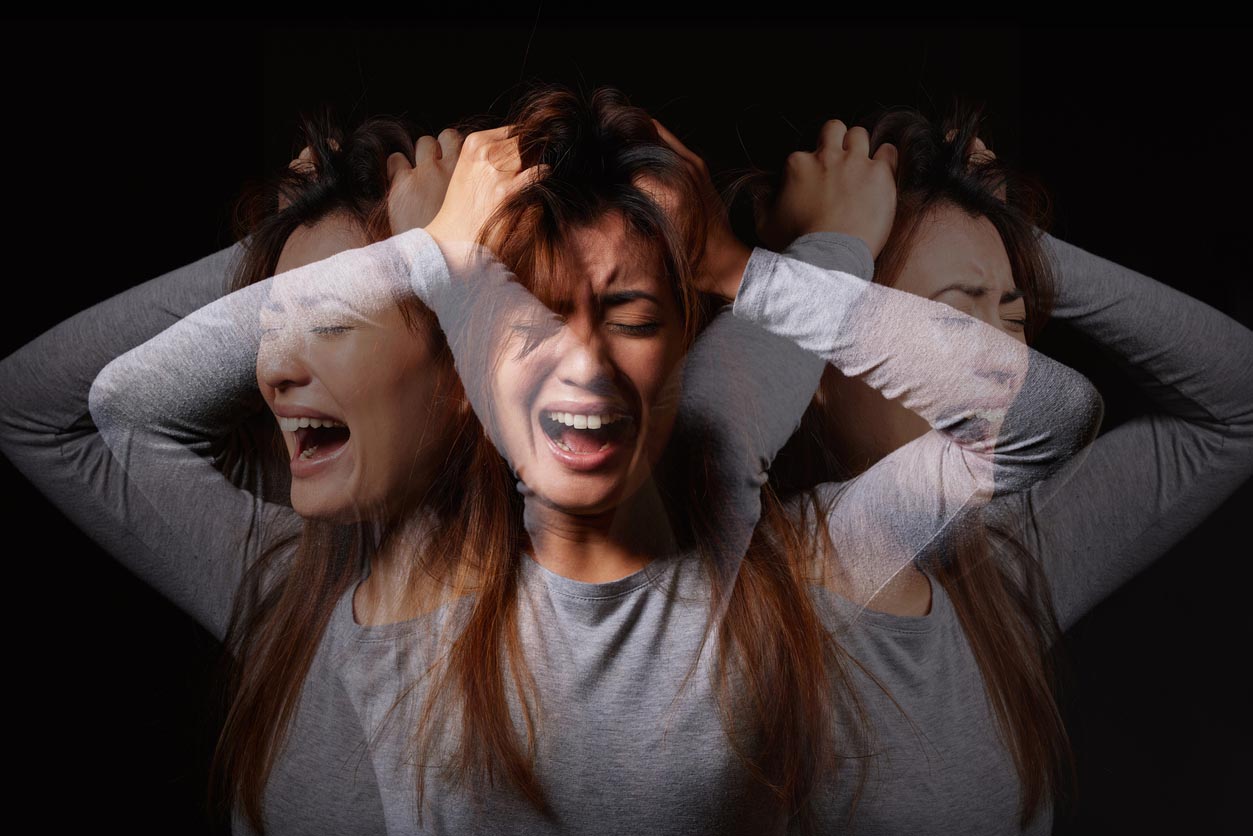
x,y
585,362
280,363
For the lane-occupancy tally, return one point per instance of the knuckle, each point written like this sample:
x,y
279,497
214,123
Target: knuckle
x,y
797,159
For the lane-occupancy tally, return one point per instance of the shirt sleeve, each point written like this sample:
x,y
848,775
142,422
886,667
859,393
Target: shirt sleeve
x,y
163,406
1002,415
745,390
1149,481
48,432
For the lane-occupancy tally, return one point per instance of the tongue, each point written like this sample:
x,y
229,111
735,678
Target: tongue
x,y
583,441
328,446
324,439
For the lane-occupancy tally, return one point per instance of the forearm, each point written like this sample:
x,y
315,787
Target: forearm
x,y
1189,359
46,429
1143,485
1002,403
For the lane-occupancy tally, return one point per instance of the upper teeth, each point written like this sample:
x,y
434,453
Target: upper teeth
x,y
583,422
292,424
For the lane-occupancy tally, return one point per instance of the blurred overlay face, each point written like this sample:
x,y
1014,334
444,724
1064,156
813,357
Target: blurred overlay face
x,y
586,412
955,259
352,386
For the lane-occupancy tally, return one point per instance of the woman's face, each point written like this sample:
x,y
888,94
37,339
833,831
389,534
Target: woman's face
x,y
366,378
585,415
962,262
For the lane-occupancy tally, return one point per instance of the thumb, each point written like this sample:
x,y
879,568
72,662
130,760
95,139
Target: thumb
x,y
397,163
887,153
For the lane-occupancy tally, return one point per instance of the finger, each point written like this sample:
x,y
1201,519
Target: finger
x,y
450,140
887,153
504,156
831,136
533,174
857,141
426,148
397,164
677,145
480,139
303,159
801,164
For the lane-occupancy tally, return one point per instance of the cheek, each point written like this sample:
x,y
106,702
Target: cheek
x,y
654,372
518,379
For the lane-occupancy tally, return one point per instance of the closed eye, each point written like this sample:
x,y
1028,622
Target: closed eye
x,y
330,330
535,331
643,329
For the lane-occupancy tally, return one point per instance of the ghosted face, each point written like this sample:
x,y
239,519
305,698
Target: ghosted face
x,y
352,387
585,414
955,259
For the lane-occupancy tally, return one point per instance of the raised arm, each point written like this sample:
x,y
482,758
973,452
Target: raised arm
x,y
1003,416
1152,479
163,410
46,428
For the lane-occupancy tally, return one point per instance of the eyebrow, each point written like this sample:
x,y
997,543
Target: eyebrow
x,y
977,290
305,301
624,296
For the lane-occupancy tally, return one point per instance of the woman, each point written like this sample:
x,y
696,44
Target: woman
x,y
228,448
366,664
980,616
594,508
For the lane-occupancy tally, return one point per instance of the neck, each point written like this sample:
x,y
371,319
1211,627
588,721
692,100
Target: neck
x,y
393,592
604,546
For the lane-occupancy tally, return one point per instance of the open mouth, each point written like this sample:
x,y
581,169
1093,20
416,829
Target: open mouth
x,y
316,438
586,434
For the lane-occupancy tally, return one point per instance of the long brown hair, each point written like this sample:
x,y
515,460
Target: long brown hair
x,y
997,587
779,675
288,593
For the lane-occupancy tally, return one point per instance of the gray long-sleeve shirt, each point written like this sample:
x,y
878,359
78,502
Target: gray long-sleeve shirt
x,y
622,620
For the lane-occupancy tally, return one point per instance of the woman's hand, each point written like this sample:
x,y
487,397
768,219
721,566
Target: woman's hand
x,y
838,187
725,255
417,191
303,164
488,170
979,155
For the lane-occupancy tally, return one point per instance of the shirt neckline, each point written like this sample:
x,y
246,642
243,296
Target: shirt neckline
x,y
941,609
605,590
532,571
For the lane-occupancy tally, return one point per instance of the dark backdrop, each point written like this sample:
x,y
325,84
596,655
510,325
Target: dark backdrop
x,y
126,142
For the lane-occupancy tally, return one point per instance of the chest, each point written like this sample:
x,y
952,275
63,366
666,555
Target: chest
x,y
628,735
935,761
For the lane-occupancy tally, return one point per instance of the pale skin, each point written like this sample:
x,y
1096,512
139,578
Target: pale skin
x,y
576,521
364,366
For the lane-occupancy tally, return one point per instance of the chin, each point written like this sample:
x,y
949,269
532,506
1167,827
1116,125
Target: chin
x,y
325,509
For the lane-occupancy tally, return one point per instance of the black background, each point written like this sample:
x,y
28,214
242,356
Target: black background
x,y
127,141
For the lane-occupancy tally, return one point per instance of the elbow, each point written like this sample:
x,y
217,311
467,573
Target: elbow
x,y
1064,430
1081,417
104,401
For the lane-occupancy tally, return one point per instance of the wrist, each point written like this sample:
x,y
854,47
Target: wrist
x,y
731,272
